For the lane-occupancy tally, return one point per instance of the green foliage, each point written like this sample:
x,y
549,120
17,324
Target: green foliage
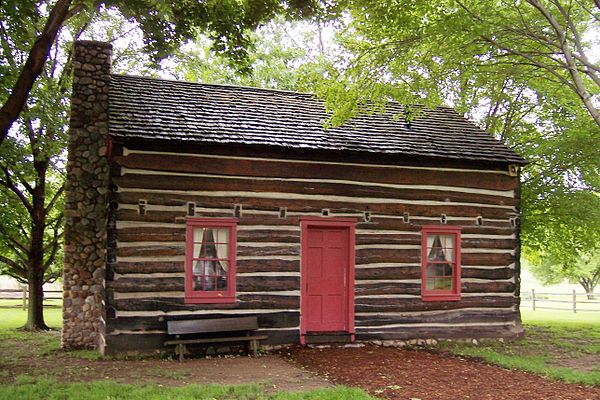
x,y
284,56
167,24
582,268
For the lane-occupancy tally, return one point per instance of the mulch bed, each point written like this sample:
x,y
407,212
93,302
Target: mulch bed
x,y
393,373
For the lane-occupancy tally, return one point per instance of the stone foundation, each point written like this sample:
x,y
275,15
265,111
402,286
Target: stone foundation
x,y
86,202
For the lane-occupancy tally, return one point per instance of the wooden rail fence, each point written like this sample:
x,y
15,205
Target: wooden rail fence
x,y
23,295
573,301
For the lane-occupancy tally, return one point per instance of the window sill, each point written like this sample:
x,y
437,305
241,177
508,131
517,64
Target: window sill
x,y
441,297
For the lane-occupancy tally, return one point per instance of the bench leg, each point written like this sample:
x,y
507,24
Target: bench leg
x,y
254,346
180,350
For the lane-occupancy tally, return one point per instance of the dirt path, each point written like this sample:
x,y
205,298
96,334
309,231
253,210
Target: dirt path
x,y
24,357
405,374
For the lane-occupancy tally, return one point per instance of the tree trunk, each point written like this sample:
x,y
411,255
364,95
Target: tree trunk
x,y
35,310
589,285
590,295
35,314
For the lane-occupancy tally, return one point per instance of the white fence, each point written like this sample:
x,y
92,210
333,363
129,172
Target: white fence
x,y
19,297
573,302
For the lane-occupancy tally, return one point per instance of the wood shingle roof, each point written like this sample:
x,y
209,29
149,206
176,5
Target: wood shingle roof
x,y
157,109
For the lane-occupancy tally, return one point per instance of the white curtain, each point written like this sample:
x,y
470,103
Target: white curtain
x,y
223,247
197,250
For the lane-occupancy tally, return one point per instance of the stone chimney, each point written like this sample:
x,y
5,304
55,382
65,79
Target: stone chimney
x,y
86,204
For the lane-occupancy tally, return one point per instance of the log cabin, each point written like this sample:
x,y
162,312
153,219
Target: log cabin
x,y
190,201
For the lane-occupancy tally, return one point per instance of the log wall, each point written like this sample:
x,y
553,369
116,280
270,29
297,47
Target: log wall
x,y
145,274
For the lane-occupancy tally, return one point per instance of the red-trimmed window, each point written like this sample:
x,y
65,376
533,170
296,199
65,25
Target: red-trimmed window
x,y
440,263
210,260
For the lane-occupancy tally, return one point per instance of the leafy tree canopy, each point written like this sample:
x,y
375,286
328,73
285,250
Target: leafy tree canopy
x,y
165,24
583,269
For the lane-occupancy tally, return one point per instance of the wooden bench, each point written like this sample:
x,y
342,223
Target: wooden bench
x,y
230,330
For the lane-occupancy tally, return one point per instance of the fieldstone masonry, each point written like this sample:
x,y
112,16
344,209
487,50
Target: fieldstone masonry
x,y
86,205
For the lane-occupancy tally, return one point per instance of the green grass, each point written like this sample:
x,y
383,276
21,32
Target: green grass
x,y
15,317
19,347
550,339
26,387
560,318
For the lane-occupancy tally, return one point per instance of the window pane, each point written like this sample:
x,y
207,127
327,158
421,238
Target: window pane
x,y
435,252
447,269
430,270
446,284
430,283
221,235
198,234
222,251
199,251
223,268
438,276
440,247
198,268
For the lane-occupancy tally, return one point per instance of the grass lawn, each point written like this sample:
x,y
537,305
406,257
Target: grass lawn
x,y
29,388
559,345
15,317
25,374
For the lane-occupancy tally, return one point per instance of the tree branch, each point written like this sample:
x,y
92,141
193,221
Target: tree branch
x,y
589,68
55,198
9,184
18,244
33,66
13,265
580,88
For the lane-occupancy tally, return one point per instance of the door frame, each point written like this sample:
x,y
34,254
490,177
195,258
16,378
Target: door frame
x,y
325,222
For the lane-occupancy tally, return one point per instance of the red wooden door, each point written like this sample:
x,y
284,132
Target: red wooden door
x,y
326,279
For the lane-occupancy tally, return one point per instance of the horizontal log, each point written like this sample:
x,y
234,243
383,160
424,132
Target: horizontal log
x,y
398,273
128,285
487,273
367,256
497,228
488,287
308,205
387,288
167,304
268,266
179,183
381,288
267,283
134,343
267,320
261,235
269,301
243,283
247,251
487,259
275,169
467,332
450,316
416,304
388,239
481,243
152,251
135,324
288,336
149,267
151,234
